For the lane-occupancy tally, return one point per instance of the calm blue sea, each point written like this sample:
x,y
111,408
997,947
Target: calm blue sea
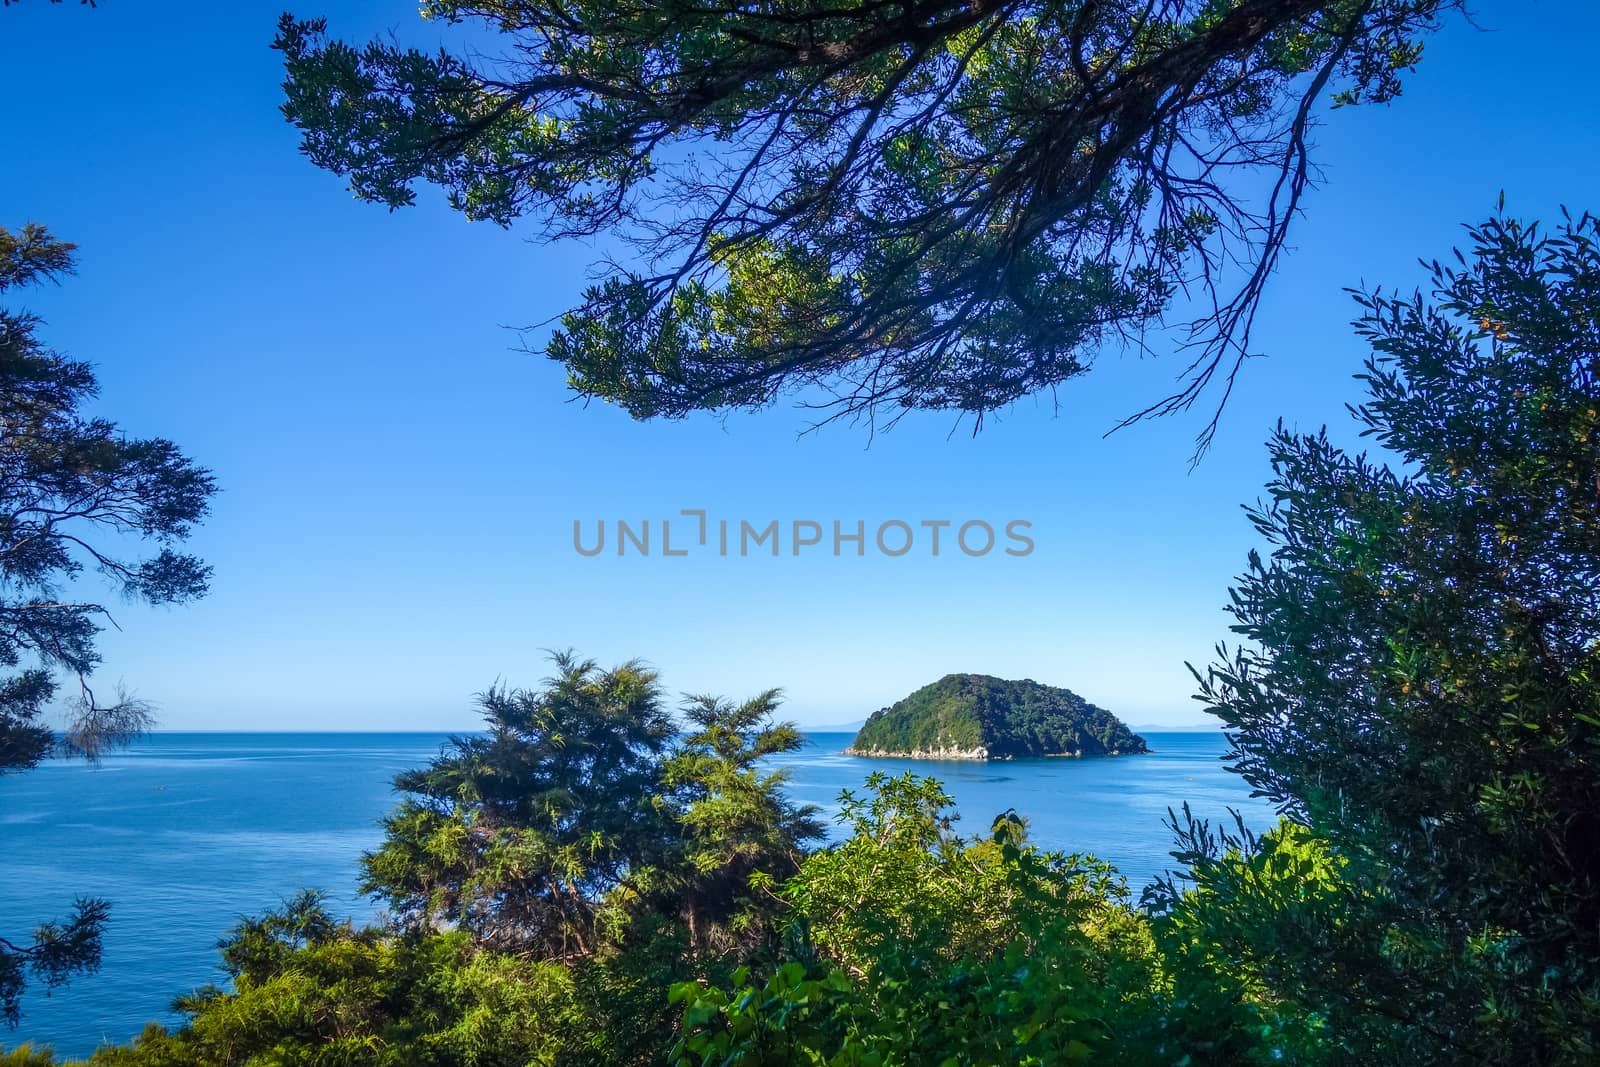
x,y
185,833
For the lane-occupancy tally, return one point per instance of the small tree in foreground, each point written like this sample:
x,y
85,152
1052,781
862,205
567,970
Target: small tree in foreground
x,y
521,835
1421,679
583,811
75,493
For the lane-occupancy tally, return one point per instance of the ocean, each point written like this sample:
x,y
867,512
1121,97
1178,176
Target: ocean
x,y
186,833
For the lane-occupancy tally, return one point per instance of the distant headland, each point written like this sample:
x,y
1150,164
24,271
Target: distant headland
x,y
977,717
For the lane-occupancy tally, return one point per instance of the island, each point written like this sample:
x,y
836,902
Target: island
x,y
978,717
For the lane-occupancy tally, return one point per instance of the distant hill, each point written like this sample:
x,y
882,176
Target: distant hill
x,y
974,716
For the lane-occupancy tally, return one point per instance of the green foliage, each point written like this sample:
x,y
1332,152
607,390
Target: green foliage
x,y
520,836
71,488
309,990
1245,913
923,948
738,833
582,812
1004,719
1421,679
946,205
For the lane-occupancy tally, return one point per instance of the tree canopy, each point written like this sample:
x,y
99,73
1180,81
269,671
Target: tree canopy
x,y
1420,676
584,809
520,835
924,204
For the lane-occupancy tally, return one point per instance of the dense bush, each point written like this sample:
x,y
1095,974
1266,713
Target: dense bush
x,y
1420,681
915,946
310,991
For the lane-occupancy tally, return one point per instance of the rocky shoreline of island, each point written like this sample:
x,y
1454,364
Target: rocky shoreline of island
x,y
979,754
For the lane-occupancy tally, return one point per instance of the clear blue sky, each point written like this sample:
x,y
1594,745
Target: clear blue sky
x,y
400,483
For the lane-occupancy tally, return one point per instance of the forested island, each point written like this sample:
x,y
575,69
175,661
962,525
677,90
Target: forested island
x,y
980,717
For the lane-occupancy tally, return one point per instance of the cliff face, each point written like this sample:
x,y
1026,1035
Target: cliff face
x,y
974,716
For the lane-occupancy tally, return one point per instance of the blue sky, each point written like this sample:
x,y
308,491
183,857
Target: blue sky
x,y
400,482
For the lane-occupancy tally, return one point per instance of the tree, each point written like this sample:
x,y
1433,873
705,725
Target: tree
x,y
740,835
1420,676
584,812
926,204
521,835
71,488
